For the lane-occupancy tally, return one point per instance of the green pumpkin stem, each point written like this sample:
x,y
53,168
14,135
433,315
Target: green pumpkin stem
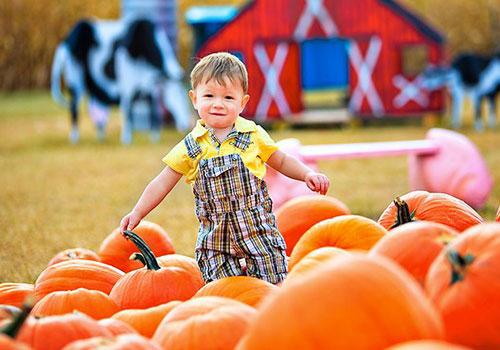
x,y
403,215
149,258
17,322
459,265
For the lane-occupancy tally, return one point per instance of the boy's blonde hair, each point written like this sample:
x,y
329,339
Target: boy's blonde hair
x,y
219,66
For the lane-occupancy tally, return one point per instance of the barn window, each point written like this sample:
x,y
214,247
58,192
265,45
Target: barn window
x,y
414,59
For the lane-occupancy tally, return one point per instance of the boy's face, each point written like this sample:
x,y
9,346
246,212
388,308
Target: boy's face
x,y
219,105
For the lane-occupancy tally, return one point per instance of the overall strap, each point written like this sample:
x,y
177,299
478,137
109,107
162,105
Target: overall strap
x,y
193,148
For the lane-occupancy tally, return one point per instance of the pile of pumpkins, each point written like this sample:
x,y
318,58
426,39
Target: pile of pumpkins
x,y
425,276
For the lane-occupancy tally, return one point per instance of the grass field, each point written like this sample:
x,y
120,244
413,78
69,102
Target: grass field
x,y
55,195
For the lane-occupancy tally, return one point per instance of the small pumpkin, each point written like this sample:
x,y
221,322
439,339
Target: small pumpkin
x,y
74,274
427,345
146,321
74,253
115,250
299,214
205,323
464,284
415,245
15,294
93,303
248,290
116,327
121,342
153,285
424,206
349,232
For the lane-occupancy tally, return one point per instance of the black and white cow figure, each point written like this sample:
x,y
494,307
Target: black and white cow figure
x,y
130,63
468,75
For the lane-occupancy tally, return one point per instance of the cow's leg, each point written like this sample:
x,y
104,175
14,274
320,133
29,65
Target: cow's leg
x,y
154,118
126,134
457,109
476,105
99,113
492,115
74,135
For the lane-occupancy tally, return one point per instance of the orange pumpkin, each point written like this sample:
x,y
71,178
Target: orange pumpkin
x,y
424,206
145,321
350,232
74,253
427,345
15,293
93,303
115,250
7,343
12,326
204,323
153,285
8,311
351,302
121,342
248,290
116,327
297,215
313,260
464,284
415,245
55,332
74,274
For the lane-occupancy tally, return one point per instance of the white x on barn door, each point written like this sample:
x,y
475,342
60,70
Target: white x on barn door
x,y
272,90
364,67
315,9
410,90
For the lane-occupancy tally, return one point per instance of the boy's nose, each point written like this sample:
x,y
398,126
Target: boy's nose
x,y
218,103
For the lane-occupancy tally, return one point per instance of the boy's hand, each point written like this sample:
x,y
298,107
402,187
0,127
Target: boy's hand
x,y
130,221
317,182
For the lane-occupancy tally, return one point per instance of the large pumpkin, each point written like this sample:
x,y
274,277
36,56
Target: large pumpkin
x,y
7,343
121,342
424,206
116,327
464,284
349,232
415,245
15,293
205,323
93,303
74,253
115,250
74,274
427,345
248,290
55,332
154,285
297,215
145,321
352,302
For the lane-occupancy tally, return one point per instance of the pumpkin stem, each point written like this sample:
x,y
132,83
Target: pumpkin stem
x,y
403,215
459,265
17,322
149,258
138,256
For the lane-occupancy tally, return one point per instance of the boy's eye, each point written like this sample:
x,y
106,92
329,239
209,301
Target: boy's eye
x,y
208,95
229,97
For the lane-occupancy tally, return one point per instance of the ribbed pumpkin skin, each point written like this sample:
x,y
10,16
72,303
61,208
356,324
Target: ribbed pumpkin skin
x,y
55,332
93,303
121,342
178,279
351,302
427,345
146,321
116,327
313,260
15,293
297,215
248,290
415,245
74,274
436,207
74,253
6,343
205,323
347,232
470,307
115,250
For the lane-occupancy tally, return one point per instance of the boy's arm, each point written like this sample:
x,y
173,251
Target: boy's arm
x,y
290,166
154,193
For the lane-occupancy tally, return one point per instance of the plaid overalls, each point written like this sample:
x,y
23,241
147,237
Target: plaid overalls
x,y
235,214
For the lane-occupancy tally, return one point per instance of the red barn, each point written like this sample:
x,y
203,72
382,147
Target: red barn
x,y
303,54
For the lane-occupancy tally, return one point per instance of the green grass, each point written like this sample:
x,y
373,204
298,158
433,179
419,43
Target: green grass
x,y
55,195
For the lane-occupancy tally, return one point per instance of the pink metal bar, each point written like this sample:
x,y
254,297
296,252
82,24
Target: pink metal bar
x,y
314,153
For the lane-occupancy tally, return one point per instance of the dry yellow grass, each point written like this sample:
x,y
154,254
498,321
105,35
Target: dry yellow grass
x,y
56,196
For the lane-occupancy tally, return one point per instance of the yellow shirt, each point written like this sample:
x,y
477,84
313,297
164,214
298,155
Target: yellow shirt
x,y
254,157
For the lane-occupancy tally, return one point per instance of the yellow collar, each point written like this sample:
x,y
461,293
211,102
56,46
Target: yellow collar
x,y
241,125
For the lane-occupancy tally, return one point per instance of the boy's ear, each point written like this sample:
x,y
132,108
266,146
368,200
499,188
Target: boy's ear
x,y
192,96
244,102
